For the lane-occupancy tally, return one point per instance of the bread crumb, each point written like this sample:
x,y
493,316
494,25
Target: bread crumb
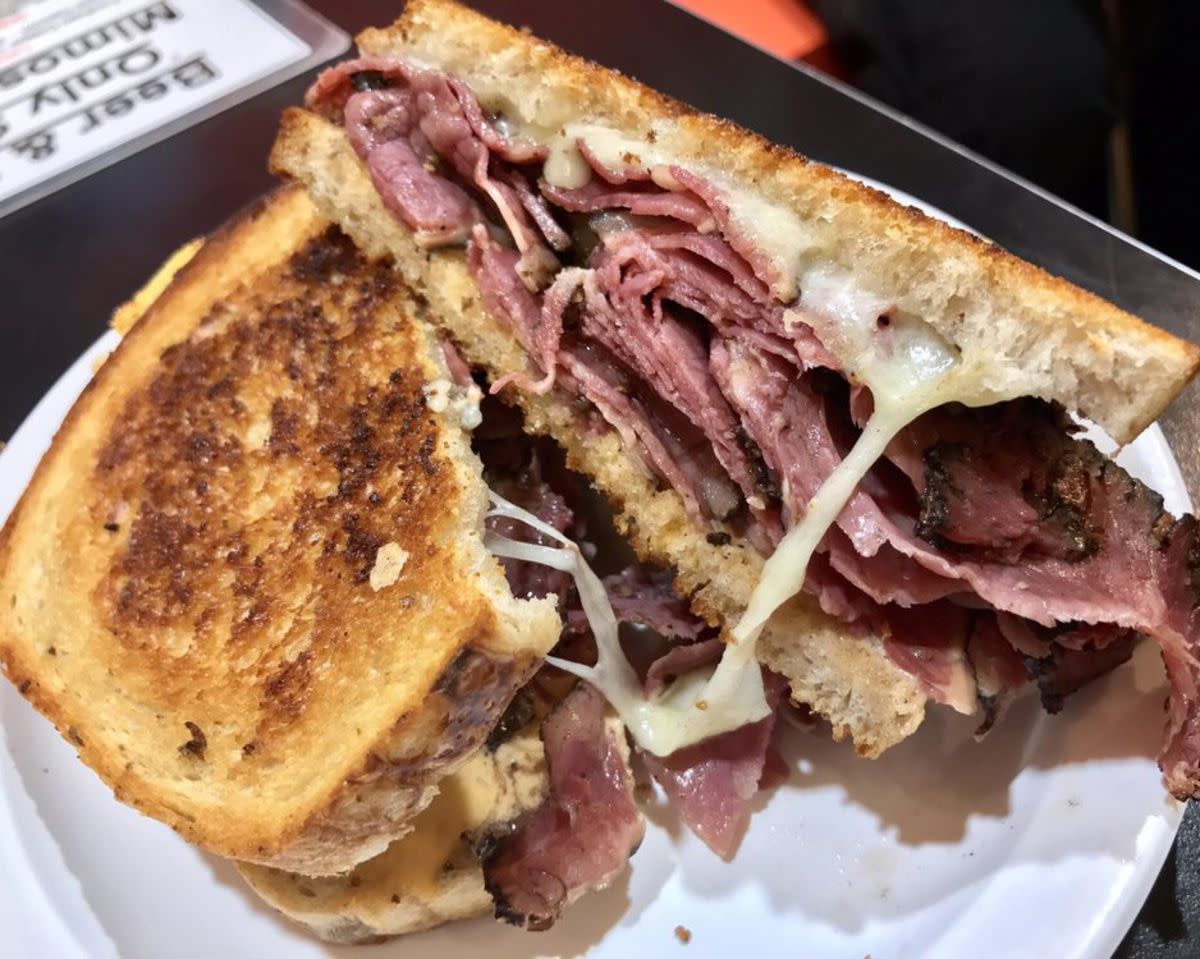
x,y
389,563
683,934
258,434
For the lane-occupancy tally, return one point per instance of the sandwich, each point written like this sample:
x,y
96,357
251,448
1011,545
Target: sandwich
x,y
849,431
248,581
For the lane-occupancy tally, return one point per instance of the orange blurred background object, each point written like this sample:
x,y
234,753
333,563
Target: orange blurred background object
x,y
786,28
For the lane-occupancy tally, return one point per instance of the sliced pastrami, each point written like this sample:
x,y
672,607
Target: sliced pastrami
x,y
1180,759
712,785
1070,666
782,414
460,372
999,669
676,181
584,831
642,199
624,311
424,128
522,470
645,597
1025,489
679,661
930,643
664,439
438,210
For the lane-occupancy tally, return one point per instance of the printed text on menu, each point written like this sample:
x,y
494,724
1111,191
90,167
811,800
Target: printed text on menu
x,y
81,78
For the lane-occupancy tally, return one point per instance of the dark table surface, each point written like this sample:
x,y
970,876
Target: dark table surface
x,y
68,259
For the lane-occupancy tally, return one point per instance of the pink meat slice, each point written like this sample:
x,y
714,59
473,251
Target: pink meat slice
x,y
712,784
584,831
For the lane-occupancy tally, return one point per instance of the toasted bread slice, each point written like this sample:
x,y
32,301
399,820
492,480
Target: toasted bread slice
x,y
248,579
1033,334
133,309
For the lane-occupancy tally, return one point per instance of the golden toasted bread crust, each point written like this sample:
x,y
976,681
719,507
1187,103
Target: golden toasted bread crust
x,y
133,309
247,581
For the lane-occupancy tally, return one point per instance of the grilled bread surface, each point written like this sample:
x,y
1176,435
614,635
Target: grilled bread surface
x,y
247,581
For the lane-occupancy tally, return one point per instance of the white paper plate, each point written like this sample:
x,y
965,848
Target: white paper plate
x,y
1041,841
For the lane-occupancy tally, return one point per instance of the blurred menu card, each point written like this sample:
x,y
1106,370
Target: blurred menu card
x,y
85,82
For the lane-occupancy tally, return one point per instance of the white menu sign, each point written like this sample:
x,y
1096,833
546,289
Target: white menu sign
x,y
81,78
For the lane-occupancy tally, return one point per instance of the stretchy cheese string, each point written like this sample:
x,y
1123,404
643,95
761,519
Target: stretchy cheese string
x,y
678,717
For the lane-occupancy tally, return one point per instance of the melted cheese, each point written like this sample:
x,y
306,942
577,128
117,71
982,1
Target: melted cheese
x,y
442,396
775,230
908,368
961,691
702,704
490,788
565,166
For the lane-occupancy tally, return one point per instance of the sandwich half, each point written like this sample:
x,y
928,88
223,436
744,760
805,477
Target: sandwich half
x,y
249,580
543,811
845,427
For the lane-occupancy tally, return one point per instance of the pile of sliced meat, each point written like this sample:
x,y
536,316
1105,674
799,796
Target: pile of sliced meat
x,y
588,825
992,544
